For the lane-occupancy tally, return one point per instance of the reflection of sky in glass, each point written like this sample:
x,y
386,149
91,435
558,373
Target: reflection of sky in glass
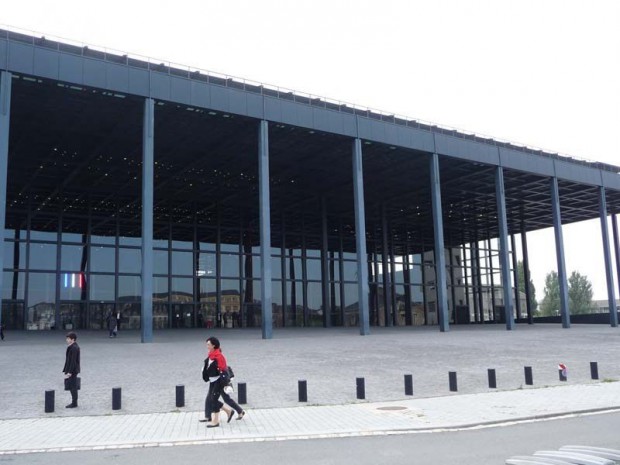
x,y
7,286
41,288
230,265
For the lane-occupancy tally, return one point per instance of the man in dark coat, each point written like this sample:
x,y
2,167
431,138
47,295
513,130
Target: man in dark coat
x,y
72,368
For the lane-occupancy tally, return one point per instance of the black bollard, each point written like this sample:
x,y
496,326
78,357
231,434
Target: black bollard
x,y
361,388
243,395
529,378
408,385
302,387
452,379
116,398
492,379
180,395
594,370
49,401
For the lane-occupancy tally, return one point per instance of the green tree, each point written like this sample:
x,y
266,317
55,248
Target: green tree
x,y
521,283
579,294
550,305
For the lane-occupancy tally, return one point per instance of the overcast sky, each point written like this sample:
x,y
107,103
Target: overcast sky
x,y
544,73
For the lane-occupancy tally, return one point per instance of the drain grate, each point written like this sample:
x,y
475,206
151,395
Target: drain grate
x,y
395,407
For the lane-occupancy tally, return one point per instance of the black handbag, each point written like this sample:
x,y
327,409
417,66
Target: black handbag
x,y
78,383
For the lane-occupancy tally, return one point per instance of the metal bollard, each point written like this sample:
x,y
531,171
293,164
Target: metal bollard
x,y
116,398
529,378
180,395
452,379
302,387
594,370
492,379
243,395
408,385
49,401
361,388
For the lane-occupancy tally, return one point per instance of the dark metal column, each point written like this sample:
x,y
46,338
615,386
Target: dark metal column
x,y
393,282
479,295
148,138
504,258
407,279
360,237
465,277
614,223
526,275
5,119
265,229
613,313
515,275
385,268
327,309
489,267
559,250
440,258
283,274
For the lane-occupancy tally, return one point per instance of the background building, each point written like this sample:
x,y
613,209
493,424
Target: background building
x,y
182,198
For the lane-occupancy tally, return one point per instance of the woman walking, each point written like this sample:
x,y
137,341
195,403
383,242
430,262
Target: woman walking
x,y
215,366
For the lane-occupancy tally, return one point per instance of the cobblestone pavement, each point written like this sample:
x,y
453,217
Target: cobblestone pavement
x,y
329,359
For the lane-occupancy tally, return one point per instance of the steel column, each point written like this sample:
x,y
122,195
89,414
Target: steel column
x,y
265,229
385,268
5,119
504,258
614,223
559,249
360,237
526,275
440,258
148,139
327,308
613,312
515,275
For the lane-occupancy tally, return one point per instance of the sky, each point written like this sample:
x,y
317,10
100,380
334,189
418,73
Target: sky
x,y
541,73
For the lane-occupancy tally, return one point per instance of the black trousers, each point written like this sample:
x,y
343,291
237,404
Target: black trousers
x,y
230,401
73,388
212,402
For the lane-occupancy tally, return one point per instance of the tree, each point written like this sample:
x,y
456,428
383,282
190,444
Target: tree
x,y
579,294
550,305
521,284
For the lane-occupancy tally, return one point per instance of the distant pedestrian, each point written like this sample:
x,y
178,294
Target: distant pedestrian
x,y
1,332
111,323
72,368
118,320
214,372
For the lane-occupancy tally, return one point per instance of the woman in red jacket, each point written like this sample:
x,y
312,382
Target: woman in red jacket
x,y
215,365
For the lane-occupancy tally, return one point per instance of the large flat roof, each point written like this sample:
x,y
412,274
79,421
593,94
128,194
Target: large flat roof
x,y
76,140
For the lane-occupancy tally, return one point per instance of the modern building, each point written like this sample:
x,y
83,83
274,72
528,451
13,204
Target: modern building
x,y
185,198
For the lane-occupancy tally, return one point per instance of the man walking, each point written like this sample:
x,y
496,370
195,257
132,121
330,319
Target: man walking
x,y
72,368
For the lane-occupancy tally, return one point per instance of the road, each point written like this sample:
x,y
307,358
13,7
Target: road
x,y
484,446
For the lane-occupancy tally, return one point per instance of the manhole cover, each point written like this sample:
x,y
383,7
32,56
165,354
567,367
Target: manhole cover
x,y
395,407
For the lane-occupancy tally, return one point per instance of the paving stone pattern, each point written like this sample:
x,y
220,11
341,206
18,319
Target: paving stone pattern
x,y
329,359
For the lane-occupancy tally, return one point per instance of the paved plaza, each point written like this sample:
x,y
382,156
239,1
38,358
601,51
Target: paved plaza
x,y
328,359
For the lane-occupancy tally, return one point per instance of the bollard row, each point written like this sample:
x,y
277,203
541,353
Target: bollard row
x,y
302,387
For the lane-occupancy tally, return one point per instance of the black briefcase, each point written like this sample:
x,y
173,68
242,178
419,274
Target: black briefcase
x,y
78,382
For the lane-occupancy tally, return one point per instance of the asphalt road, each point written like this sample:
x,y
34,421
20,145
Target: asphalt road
x,y
485,446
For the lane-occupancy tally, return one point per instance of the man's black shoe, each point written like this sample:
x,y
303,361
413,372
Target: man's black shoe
x,y
72,405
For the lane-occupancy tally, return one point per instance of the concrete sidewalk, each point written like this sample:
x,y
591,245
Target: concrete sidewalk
x,y
378,418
